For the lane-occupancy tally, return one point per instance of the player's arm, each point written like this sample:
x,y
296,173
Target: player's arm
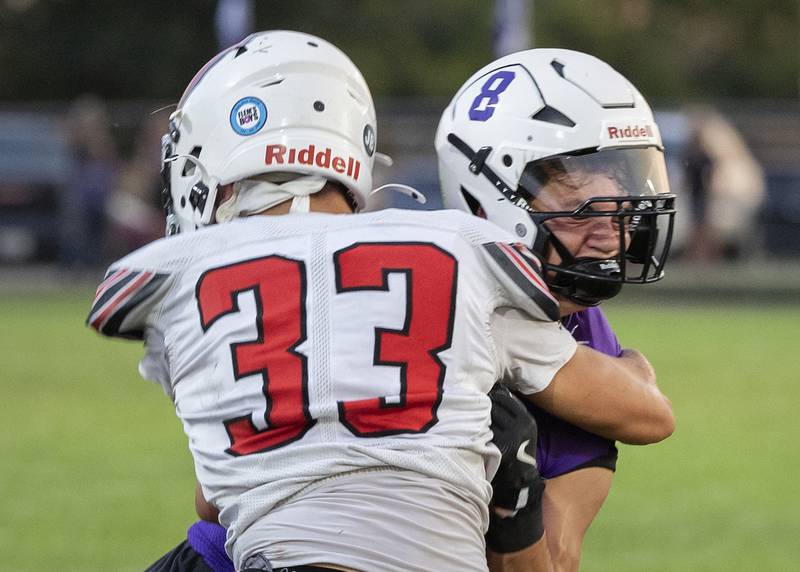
x,y
533,558
616,398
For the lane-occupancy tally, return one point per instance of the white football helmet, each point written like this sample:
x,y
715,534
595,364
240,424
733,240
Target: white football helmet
x,y
279,102
535,115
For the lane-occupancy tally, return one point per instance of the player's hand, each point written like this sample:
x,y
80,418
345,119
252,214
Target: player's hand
x,y
515,520
515,434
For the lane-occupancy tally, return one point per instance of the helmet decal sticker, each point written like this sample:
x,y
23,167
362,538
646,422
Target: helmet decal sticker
x,y
369,139
628,132
482,107
277,154
248,116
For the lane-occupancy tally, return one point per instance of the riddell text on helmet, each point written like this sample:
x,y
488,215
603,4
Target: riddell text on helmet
x,y
630,131
281,154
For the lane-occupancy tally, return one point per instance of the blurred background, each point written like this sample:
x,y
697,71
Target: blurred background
x,y
85,91
96,473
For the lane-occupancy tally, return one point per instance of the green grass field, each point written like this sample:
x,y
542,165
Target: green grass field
x,y
96,474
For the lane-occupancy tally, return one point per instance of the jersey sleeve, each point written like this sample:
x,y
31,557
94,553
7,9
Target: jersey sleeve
x,y
126,300
154,366
530,352
519,273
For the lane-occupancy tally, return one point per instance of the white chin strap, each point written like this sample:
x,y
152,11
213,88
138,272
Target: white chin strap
x,y
252,196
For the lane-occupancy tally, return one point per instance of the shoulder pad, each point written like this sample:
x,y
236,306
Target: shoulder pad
x,y
523,270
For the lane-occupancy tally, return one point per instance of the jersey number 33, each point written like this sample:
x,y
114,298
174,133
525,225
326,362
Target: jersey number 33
x,y
279,286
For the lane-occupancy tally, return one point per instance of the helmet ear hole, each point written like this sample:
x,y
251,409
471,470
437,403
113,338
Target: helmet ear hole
x,y
472,202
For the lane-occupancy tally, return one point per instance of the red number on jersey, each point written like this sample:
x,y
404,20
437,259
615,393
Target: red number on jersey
x,y
430,294
279,287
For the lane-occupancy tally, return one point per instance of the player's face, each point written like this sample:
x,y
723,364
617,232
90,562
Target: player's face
x,y
590,237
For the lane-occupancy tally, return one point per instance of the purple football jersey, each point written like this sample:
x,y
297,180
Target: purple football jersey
x,y
590,327
563,447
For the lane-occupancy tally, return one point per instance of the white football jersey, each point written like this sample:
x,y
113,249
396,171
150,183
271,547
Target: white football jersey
x,y
303,347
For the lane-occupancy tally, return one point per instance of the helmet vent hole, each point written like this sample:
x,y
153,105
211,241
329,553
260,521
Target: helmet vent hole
x,y
273,82
552,115
319,106
558,66
189,166
507,160
240,51
183,202
313,44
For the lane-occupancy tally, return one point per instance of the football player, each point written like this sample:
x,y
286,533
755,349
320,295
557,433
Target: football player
x,y
332,370
561,150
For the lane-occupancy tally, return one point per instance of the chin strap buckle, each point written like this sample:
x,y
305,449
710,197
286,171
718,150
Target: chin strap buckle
x,y
478,160
198,196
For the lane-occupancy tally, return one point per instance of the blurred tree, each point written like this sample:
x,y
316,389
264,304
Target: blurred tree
x,y
59,49
676,50
681,50
415,47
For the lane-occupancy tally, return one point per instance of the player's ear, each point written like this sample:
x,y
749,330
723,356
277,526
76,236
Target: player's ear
x,y
224,192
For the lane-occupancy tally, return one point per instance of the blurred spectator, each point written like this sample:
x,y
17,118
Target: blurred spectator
x,y
726,186
92,177
134,209
698,163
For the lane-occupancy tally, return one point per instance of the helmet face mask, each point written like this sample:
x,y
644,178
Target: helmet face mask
x,y
561,150
606,215
640,230
277,102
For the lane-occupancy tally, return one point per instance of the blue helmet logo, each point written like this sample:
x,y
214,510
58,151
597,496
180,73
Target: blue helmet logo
x,y
248,116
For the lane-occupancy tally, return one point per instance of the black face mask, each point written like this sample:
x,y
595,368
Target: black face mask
x,y
605,281
590,281
585,281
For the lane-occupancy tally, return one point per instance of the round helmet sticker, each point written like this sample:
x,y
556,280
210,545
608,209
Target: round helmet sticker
x,y
248,115
369,139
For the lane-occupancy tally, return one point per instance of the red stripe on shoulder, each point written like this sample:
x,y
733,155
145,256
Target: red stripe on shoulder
x,y
526,269
101,315
109,281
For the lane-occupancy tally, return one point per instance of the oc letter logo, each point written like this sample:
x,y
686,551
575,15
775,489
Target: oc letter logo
x,y
482,107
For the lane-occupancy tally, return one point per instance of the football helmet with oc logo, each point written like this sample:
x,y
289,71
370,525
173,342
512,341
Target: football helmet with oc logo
x,y
278,105
552,144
